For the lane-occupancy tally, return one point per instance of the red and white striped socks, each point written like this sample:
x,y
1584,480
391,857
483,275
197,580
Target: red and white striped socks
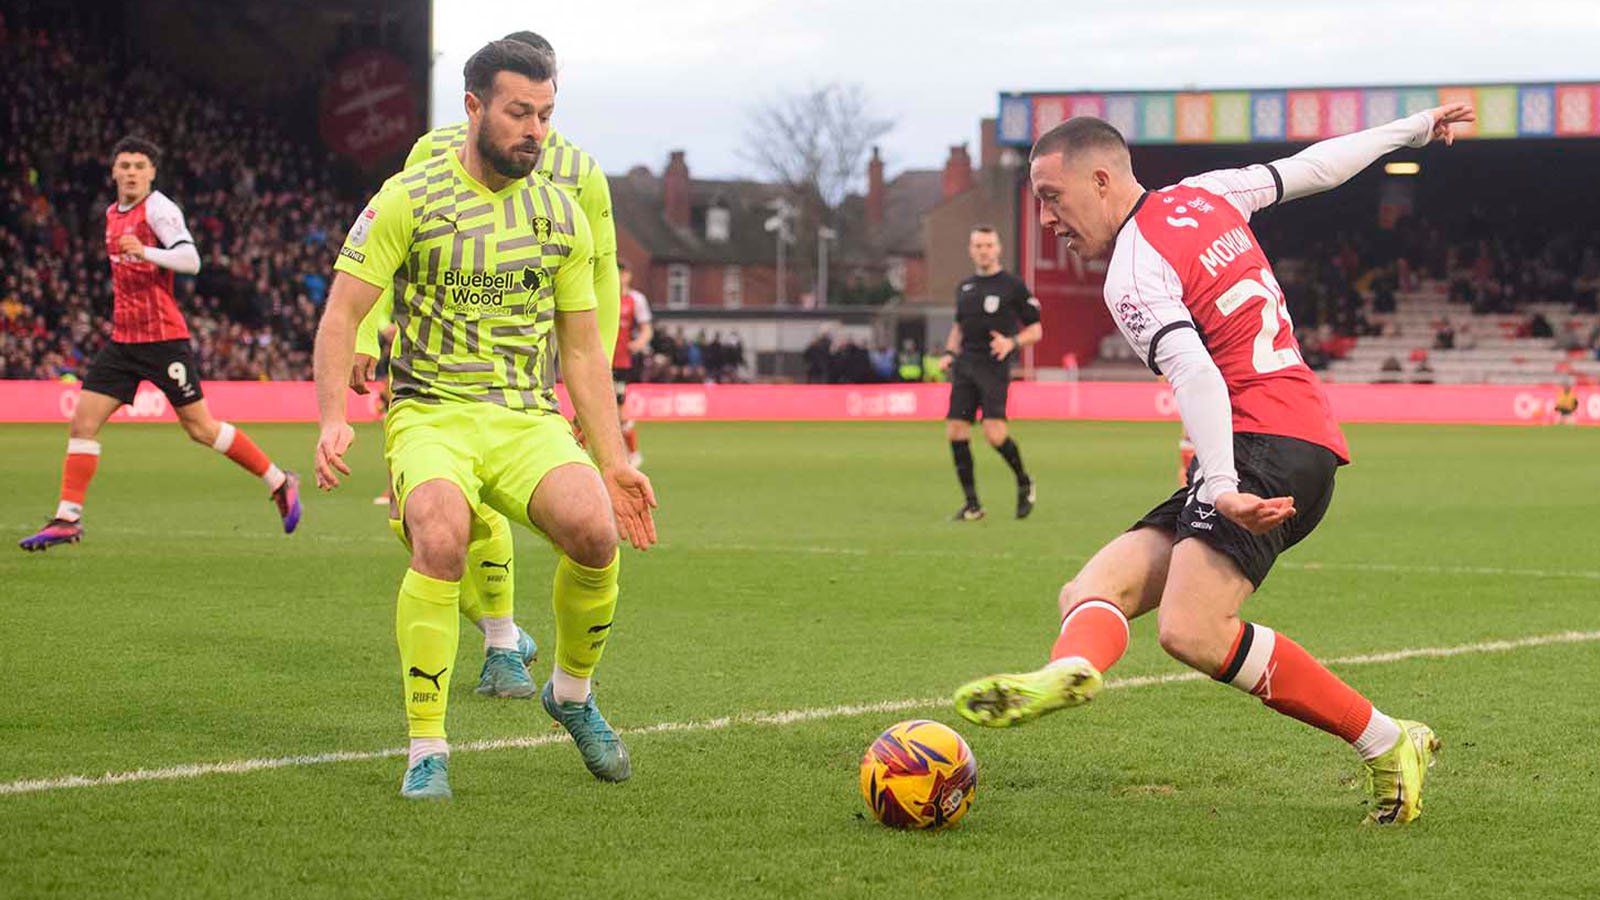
x,y
1289,680
1094,630
237,446
83,457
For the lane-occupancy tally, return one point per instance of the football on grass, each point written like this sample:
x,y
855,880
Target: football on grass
x,y
919,774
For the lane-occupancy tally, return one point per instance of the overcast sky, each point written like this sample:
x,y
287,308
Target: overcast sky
x,y
639,79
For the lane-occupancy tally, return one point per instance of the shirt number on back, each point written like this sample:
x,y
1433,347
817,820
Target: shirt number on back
x,y
1274,315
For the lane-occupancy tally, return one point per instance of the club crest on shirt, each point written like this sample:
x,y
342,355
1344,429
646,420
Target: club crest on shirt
x,y
991,304
541,229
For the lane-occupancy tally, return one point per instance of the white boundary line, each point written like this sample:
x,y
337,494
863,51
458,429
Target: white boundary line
x,y
787,717
820,550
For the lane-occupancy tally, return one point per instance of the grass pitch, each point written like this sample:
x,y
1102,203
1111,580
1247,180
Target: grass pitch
x,y
804,568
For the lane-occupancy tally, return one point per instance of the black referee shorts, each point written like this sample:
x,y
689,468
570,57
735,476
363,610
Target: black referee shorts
x,y
978,383
1269,465
169,365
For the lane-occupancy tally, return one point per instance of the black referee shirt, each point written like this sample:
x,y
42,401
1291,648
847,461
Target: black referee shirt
x,y
999,302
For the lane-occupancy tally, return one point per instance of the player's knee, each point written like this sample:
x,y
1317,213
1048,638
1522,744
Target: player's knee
x,y
437,556
439,548
201,432
1191,641
592,542
1076,591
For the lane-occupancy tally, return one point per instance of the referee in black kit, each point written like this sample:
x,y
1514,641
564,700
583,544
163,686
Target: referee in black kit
x,y
995,314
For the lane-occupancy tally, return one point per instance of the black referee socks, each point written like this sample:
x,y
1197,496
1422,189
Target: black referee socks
x,y
962,451
1013,458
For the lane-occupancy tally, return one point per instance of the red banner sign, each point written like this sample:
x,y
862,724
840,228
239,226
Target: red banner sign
x,y
369,109
295,401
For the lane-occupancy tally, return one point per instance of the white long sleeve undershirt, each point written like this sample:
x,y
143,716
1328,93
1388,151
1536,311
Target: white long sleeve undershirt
x,y
1327,164
1202,398
183,259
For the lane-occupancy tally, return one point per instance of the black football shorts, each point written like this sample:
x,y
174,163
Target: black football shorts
x,y
1269,465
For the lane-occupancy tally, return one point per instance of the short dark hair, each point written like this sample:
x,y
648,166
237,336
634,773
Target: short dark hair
x,y
1077,135
985,229
622,265
135,144
505,56
532,39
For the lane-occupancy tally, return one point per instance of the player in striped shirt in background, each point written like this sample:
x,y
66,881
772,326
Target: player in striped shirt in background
x,y
148,242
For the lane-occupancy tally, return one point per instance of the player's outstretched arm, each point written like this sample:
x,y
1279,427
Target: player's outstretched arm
x,y
587,370
1328,164
349,299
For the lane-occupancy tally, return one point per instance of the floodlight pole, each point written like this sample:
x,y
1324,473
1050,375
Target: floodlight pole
x,y
824,235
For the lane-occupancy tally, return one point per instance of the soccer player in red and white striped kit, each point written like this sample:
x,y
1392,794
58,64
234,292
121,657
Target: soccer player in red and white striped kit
x,y
1194,294
147,242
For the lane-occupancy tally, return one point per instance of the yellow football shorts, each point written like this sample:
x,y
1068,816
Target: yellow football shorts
x,y
496,456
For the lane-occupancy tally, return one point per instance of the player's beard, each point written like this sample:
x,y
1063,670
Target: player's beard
x,y
503,163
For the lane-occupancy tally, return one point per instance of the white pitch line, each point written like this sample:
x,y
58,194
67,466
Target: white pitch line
x,y
787,717
823,550
1588,574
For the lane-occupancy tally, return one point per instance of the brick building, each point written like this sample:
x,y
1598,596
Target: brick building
x,y
702,244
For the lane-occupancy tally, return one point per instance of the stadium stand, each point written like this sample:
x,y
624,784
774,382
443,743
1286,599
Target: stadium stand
x,y
263,208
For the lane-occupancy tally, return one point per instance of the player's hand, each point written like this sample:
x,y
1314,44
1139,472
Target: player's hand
x,y
945,362
1000,345
638,346
130,245
1447,115
632,498
363,370
332,445
1255,514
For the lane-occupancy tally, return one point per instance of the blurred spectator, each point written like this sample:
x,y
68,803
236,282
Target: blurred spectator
x,y
1445,337
818,357
263,209
1539,326
909,362
883,363
674,358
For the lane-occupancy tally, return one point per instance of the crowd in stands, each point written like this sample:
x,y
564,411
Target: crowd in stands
x,y
262,207
833,361
674,358
267,217
1341,290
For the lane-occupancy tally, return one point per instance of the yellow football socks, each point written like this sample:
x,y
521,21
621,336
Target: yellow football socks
x,y
427,627
584,601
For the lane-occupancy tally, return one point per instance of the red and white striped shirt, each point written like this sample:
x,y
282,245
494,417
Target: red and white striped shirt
x,y
144,309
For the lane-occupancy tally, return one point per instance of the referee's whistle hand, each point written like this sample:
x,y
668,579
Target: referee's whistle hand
x,y
1000,345
1255,514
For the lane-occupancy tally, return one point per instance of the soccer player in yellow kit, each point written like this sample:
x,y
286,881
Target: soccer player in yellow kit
x,y
489,261
488,588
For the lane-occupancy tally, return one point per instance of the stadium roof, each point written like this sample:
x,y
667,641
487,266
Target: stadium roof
x,y
1542,110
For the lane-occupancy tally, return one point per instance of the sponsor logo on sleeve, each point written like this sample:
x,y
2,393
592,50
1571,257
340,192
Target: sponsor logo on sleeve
x,y
362,227
1133,319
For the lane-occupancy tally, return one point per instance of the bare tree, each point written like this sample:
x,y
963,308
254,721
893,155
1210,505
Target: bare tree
x,y
815,141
